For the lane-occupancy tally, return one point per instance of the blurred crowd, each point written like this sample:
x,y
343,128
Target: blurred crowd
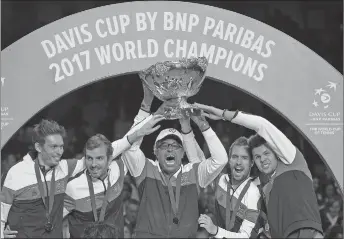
x,y
109,106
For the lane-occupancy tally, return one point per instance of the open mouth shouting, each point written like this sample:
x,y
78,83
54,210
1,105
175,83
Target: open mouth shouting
x,y
170,159
265,165
238,170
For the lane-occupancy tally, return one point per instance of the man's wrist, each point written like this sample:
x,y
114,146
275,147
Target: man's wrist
x,y
186,128
203,126
214,233
132,138
145,107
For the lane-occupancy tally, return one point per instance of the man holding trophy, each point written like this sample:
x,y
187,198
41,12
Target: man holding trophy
x,y
168,189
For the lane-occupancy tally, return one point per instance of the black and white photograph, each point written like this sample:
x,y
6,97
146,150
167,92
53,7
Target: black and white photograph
x,y
171,119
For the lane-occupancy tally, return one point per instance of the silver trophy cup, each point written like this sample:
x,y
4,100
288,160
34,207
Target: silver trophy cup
x,y
175,81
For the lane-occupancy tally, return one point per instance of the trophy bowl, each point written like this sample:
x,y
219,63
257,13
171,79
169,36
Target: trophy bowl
x,y
173,82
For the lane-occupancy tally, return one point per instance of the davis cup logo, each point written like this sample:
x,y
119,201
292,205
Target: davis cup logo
x,y
323,96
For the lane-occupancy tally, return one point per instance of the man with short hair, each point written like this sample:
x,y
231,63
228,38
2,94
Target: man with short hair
x,y
95,195
292,208
168,189
237,198
33,205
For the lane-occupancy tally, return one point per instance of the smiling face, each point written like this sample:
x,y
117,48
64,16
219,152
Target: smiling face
x,y
51,150
265,159
97,162
169,153
240,163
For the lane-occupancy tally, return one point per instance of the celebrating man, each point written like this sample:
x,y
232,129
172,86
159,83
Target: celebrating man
x,y
33,193
290,199
101,184
168,189
237,198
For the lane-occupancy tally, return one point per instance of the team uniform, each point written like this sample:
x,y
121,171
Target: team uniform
x,y
78,202
156,218
244,207
22,206
289,195
21,203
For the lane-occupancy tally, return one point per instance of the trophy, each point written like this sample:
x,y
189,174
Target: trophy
x,y
175,81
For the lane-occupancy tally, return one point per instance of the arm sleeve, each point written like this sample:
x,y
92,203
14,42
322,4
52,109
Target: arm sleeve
x,y
209,169
7,197
282,146
133,158
80,165
69,202
192,149
119,146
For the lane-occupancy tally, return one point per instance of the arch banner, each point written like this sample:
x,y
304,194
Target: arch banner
x,y
128,37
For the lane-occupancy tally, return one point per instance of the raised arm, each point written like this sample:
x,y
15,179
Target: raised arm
x,y
134,158
282,146
209,169
120,145
193,152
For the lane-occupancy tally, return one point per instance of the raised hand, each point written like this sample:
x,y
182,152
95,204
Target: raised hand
x,y
210,111
206,222
146,129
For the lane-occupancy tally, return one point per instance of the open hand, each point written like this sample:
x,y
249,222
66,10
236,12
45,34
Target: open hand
x,y
210,111
146,129
206,222
8,233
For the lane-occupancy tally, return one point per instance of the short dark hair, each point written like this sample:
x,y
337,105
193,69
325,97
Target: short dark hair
x,y
46,128
101,230
98,140
255,141
241,141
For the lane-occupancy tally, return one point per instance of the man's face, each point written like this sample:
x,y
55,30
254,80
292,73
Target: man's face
x,y
240,163
169,153
265,159
335,207
52,149
132,210
97,162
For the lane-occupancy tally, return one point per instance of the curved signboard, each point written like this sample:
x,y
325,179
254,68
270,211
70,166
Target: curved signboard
x,y
128,37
